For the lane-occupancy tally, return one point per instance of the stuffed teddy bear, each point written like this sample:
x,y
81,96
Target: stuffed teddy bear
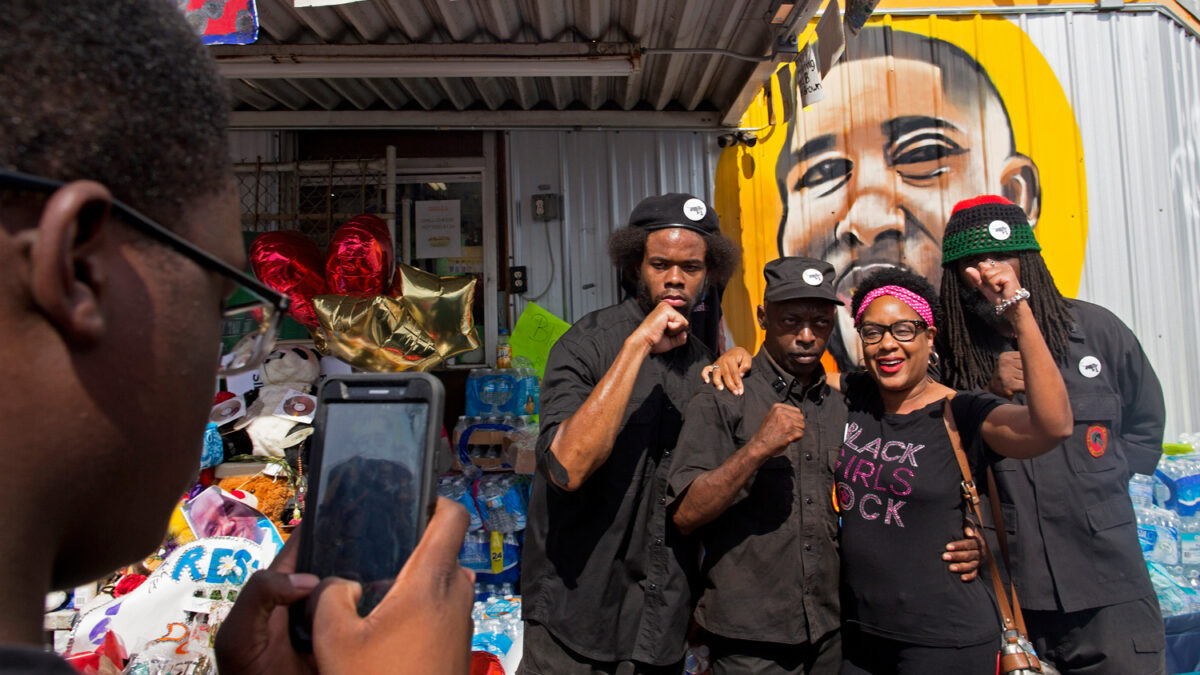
x,y
285,369
271,494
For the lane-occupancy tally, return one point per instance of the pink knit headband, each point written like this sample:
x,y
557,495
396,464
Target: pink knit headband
x,y
902,294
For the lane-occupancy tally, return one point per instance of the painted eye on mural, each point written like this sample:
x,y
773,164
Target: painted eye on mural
x,y
825,171
919,157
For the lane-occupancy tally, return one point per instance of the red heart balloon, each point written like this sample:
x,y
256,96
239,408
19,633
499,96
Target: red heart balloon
x,y
360,258
290,263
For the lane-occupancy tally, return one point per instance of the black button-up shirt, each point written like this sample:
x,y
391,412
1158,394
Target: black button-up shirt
x,y
1076,543
770,568
601,570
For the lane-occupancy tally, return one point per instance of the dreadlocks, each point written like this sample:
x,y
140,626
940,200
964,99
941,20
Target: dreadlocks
x,y
969,344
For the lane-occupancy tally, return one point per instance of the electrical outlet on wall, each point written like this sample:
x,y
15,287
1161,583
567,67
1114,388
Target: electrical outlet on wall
x,y
518,279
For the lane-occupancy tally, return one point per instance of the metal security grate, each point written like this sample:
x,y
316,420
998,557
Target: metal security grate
x,y
314,198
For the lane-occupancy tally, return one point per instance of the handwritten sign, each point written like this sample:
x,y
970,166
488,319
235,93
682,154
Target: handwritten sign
x,y
438,226
809,77
535,333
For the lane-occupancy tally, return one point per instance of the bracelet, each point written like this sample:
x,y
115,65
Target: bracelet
x,y
1020,296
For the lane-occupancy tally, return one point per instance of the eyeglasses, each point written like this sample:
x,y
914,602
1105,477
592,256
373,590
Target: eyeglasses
x,y
255,311
903,331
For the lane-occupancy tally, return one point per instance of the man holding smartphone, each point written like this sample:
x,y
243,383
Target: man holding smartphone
x,y
120,244
605,579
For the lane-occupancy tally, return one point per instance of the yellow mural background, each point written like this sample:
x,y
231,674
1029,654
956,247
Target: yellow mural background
x,y
1044,129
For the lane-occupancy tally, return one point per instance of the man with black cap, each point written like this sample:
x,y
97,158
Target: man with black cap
x,y
1084,590
755,475
606,582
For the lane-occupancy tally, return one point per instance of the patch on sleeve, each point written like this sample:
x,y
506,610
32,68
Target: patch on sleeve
x,y
1097,439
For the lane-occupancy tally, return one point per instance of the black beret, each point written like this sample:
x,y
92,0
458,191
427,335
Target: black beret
x,y
675,210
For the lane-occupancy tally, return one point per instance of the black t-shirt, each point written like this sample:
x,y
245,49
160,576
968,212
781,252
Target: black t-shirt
x,y
898,489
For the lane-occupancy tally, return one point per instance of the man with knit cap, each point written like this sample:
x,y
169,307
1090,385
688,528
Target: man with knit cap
x,y
1075,558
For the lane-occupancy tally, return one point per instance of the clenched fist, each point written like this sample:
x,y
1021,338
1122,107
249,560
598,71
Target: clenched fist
x,y
662,330
783,424
1009,376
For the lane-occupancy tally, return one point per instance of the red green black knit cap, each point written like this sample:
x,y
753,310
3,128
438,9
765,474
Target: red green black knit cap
x,y
986,224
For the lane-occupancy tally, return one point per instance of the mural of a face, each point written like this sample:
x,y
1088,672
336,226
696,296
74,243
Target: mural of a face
x,y
910,124
908,127
882,192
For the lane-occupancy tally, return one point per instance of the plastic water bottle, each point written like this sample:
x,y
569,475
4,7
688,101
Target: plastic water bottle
x,y
502,502
458,488
503,350
493,636
1169,480
1141,490
1189,536
1158,534
696,661
1174,597
530,390
497,621
1147,532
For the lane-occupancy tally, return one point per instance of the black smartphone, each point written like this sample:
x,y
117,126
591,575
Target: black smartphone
x,y
371,482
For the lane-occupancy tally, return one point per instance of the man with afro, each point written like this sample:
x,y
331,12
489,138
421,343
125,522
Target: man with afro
x,y
606,582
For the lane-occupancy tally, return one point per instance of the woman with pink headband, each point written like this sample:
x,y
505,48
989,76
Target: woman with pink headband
x,y
898,483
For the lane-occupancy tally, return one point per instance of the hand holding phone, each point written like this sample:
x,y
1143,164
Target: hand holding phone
x,y
422,625
371,485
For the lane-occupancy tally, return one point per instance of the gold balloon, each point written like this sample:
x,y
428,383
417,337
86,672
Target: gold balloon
x,y
429,323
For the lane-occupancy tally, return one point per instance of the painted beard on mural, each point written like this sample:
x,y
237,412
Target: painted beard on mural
x,y
909,126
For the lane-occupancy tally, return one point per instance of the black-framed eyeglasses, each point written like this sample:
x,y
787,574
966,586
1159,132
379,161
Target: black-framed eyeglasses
x,y
903,331
256,308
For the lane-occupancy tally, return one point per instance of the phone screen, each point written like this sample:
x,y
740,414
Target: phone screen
x,y
369,495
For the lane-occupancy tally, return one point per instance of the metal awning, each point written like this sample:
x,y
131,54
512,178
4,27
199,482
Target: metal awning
x,y
509,64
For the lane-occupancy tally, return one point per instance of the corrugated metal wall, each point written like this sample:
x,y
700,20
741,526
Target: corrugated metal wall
x,y
1134,83
599,177
250,145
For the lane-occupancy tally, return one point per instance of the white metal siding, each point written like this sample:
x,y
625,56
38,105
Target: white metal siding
x,y
599,176
1134,83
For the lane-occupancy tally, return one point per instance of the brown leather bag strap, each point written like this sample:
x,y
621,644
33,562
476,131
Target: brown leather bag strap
x,y
1002,538
972,497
